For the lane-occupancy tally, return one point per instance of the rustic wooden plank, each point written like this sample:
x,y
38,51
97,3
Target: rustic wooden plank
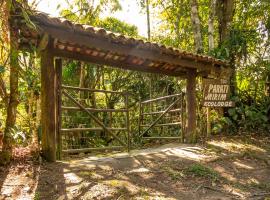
x,y
48,104
161,98
87,150
191,106
167,124
58,69
157,138
91,90
67,130
159,112
160,116
117,63
93,117
127,122
94,109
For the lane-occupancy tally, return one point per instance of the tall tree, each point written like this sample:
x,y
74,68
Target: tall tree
x,y
13,84
225,12
211,30
148,20
196,25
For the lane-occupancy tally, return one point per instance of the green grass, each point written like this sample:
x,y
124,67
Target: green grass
x,y
174,174
203,171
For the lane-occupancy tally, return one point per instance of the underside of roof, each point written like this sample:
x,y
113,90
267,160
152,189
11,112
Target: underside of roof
x,y
96,45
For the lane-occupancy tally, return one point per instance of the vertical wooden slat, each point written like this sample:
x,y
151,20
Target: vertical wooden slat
x,y
127,122
140,117
48,104
191,106
58,69
182,119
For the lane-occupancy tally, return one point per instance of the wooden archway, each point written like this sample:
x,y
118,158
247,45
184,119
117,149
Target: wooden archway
x,y
60,38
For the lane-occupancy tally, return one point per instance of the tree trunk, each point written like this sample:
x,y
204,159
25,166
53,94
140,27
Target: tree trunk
x,y
13,97
148,20
212,9
82,80
196,25
225,10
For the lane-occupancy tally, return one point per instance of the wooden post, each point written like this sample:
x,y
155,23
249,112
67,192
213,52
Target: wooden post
x,y
191,106
208,123
58,69
182,119
48,105
127,122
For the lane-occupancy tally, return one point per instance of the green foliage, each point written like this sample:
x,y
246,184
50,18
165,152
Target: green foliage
x,y
202,171
251,117
117,26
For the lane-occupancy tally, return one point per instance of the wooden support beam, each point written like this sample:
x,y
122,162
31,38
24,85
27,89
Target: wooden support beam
x,y
159,112
93,117
83,38
58,69
87,150
48,105
118,64
167,124
93,109
158,138
161,98
91,90
71,130
160,116
191,106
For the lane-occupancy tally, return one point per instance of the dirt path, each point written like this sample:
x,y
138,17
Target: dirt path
x,y
233,168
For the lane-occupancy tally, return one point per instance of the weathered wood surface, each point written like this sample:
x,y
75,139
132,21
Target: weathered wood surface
x,y
93,117
167,124
66,130
191,106
87,150
160,116
48,105
94,109
161,98
157,138
159,112
58,69
90,90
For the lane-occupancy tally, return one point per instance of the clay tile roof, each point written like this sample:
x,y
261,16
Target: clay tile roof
x,y
41,17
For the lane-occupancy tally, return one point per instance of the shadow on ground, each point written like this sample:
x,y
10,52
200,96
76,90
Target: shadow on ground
x,y
213,171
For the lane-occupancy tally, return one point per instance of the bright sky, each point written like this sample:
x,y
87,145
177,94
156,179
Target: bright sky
x,y
130,12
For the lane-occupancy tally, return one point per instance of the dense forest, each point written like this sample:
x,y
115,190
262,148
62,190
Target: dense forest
x,y
231,30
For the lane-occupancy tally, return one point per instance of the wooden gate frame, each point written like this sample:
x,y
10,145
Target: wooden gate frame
x,y
63,91
162,113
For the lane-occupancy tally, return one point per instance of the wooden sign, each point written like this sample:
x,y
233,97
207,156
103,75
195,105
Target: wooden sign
x,y
216,93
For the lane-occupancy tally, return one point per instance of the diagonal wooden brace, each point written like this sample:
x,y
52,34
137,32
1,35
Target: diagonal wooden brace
x,y
160,116
93,117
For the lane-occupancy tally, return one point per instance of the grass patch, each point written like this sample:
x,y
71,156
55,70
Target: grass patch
x,y
203,171
174,174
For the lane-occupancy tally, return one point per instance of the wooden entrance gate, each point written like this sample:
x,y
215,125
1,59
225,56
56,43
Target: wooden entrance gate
x,y
85,125
166,111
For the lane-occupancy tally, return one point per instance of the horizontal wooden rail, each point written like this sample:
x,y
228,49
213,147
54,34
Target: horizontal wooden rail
x,y
150,138
92,90
168,124
159,112
93,117
90,129
86,150
160,98
94,109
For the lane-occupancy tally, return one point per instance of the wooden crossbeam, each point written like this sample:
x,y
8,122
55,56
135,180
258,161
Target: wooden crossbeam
x,y
160,116
93,117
